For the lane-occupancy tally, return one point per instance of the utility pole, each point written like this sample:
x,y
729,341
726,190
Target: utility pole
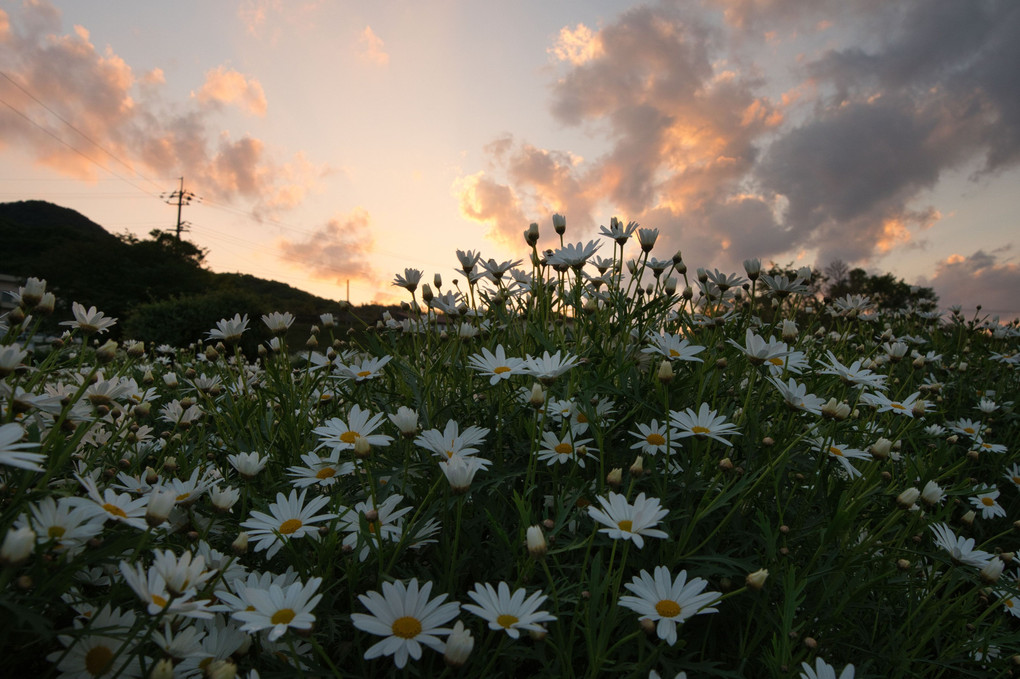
x,y
181,198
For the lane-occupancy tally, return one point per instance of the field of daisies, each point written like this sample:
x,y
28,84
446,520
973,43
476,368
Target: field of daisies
x,y
590,462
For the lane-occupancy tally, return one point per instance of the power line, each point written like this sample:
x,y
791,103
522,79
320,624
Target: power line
x,y
73,148
73,127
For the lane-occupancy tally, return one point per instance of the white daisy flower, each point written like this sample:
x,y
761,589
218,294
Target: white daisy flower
x,y
562,450
277,608
230,329
368,369
117,506
506,611
673,347
843,455
13,453
652,438
960,549
67,522
629,522
340,435
496,365
319,471
93,650
547,368
288,518
986,504
451,442
668,601
703,424
407,618
823,670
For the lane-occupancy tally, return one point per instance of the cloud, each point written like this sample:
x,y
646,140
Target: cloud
x,y
576,45
980,278
119,113
695,138
338,251
485,201
227,86
371,49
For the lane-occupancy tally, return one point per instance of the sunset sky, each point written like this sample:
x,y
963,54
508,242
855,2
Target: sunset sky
x,y
344,141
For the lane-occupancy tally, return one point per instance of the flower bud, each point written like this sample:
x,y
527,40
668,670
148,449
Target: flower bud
x,y
991,571
536,542
240,544
163,669
880,448
665,372
17,546
537,396
638,468
107,352
615,477
459,644
968,518
907,498
221,669
160,504
362,448
559,224
756,580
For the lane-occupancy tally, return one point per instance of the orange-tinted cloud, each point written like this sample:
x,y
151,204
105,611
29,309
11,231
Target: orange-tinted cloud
x,y
576,45
371,49
338,251
495,205
127,115
227,86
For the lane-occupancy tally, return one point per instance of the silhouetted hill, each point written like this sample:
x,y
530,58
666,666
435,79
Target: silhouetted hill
x,y
158,288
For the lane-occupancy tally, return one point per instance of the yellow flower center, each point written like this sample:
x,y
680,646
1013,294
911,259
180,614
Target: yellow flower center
x,y
668,608
581,418
289,526
776,361
364,373
501,369
700,430
1009,603
407,627
655,439
183,496
506,621
1016,480
56,531
158,600
898,406
625,525
282,617
988,502
325,473
835,451
97,660
673,353
115,510
564,448
968,430
350,436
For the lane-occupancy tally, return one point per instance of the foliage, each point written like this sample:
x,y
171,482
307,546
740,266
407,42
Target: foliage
x,y
788,458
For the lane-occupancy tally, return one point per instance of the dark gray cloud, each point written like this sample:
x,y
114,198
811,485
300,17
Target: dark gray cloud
x,y
988,279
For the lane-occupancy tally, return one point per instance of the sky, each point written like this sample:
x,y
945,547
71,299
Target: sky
x,y
330,145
